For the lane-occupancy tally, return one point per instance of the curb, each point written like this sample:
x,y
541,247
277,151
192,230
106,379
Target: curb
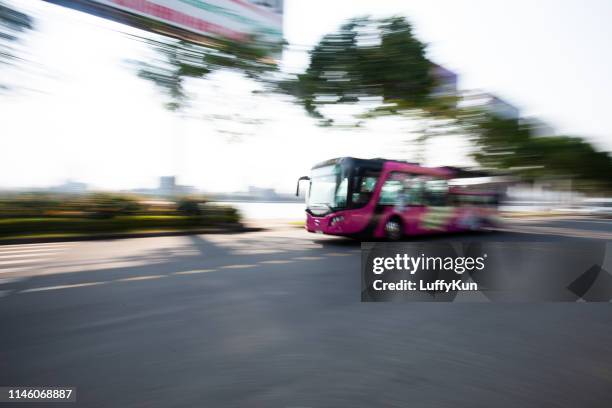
x,y
99,237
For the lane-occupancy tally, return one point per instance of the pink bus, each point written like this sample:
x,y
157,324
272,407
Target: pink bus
x,y
389,199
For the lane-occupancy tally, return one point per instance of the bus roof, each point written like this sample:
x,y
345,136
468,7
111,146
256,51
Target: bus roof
x,y
393,165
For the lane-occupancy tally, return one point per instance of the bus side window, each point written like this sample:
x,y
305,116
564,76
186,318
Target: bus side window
x,y
413,191
390,192
436,193
393,190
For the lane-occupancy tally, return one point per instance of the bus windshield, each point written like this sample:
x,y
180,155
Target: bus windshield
x,y
328,189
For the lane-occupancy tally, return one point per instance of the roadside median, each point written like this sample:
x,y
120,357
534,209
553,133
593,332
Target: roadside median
x,y
66,237
77,218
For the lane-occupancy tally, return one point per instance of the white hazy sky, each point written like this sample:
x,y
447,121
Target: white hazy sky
x,y
80,112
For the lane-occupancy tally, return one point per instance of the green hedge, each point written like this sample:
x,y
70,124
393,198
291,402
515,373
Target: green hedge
x,y
19,226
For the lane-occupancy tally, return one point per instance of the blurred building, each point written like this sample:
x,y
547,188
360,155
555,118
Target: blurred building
x,y
70,187
500,107
262,193
538,127
168,186
491,103
446,81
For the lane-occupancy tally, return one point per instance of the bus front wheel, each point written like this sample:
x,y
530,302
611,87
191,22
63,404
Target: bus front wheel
x,y
393,229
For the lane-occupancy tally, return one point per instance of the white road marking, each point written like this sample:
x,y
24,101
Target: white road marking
x,y
21,255
237,266
76,285
308,258
4,281
9,270
15,258
194,271
139,278
35,246
277,261
26,250
17,262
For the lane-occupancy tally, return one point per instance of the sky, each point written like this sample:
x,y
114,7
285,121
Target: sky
x,y
79,112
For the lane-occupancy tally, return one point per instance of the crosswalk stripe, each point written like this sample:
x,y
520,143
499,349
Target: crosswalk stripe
x,y
21,255
20,251
9,270
17,262
32,246
16,258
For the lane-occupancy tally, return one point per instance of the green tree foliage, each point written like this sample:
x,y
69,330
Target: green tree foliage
x,y
179,60
570,157
12,24
499,141
381,60
513,144
366,59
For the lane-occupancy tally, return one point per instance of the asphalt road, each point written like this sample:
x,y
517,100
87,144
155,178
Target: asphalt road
x,y
273,319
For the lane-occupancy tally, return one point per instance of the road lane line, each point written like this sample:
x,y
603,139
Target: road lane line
x,y
193,272
5,281
237,266
277,261
308,258
139,278
76,285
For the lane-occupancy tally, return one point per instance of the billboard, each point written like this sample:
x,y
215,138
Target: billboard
x,y
196,20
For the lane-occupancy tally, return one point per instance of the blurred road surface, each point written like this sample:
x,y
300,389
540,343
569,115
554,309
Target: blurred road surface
x,y
273,319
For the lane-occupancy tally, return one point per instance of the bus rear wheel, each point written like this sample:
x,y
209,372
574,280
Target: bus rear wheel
x,y
393,229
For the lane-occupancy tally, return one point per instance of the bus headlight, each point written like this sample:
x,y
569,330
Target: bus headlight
x,y
335,220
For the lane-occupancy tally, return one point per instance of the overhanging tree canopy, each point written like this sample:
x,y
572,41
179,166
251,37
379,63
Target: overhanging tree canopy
x,y
367,59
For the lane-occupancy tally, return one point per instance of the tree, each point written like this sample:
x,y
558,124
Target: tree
x,y
12,24
179,60
366,59
513,144
377,62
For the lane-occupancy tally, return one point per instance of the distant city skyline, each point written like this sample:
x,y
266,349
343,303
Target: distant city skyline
x,y
167,187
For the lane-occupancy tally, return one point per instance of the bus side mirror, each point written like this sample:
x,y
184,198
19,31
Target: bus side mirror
x,y
297,190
